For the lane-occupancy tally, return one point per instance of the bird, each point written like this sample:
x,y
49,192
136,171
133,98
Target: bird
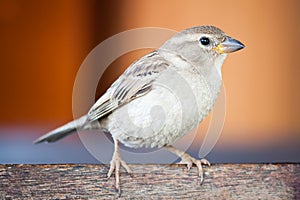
x,y
160,97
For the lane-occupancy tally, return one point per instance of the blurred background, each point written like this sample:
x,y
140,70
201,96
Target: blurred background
x,y
43,44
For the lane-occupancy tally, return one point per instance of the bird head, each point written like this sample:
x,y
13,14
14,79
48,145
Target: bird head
x,y
202,44
213,40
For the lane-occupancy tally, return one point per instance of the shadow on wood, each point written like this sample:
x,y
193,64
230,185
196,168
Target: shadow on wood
x,y
221,181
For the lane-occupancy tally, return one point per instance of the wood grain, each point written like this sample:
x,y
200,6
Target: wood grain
x,y
85,181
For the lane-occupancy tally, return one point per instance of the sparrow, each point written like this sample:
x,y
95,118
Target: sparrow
x,y
160,97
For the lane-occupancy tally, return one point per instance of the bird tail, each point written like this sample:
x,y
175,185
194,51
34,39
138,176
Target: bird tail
x,y
63,131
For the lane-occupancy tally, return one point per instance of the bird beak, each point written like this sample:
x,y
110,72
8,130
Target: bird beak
x,y
229,45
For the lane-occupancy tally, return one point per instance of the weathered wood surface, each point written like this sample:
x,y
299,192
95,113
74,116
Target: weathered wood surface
x,y
222,181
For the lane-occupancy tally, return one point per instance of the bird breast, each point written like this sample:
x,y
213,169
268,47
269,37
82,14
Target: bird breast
x,y
179,100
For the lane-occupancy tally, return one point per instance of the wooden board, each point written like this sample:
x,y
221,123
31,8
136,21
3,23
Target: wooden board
x,y
84,181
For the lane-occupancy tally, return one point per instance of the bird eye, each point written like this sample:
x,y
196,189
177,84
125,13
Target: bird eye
x,y
204,41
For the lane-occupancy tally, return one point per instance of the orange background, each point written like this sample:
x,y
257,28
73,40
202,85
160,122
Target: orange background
x,y
43,44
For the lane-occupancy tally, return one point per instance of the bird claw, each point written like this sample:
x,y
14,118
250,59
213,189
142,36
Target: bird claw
x,y
189,161
115,165
118,190
205,162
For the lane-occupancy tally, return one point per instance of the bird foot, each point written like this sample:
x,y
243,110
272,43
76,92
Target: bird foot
x,y
115,165
189,161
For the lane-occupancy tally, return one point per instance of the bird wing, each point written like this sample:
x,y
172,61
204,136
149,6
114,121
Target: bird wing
x,y
134,82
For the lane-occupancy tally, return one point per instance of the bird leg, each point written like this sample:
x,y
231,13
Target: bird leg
x,y
189,160
115,164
